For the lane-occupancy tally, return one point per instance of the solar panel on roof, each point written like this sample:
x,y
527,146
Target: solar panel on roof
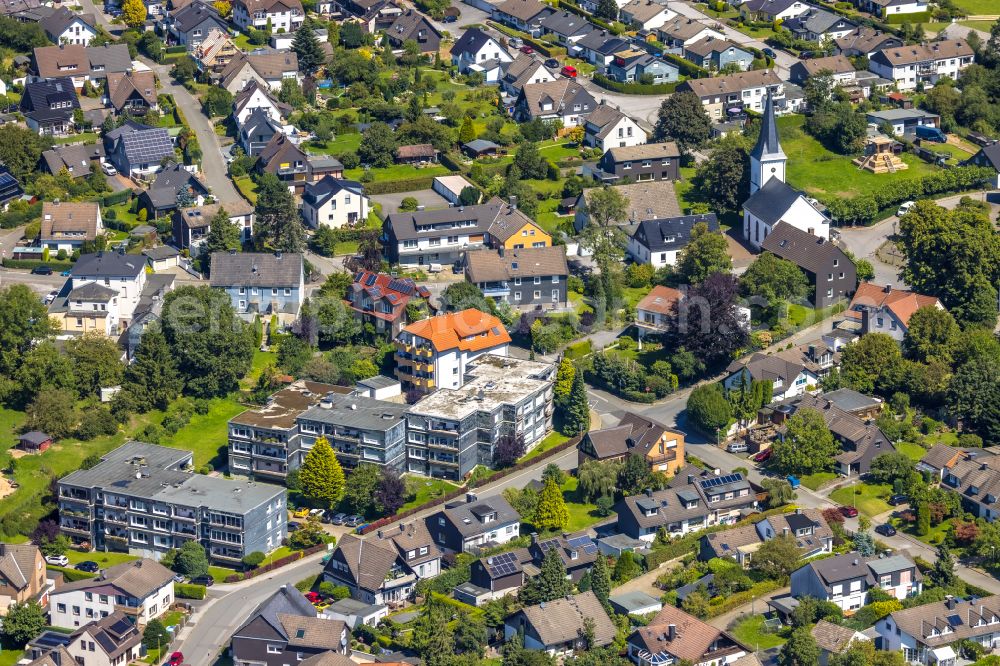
x,y
371,280
358,275
954,620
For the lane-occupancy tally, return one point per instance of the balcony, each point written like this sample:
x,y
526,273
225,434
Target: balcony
x,y
442,445
271,473
497,290
228,556
274,454
118,520
75,529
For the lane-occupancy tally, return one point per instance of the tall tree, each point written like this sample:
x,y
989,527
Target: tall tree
x,y
308,50
24,319
44,368
800,650
974,396
708,408
706,253
600,579
508,450
808,445
23,622
321,476
551,512
633,476
871,363
710,323
607,10
777,558
211,346
564,381
359,490
278,224
467,132
724,178
378,145
932,333
52,411
134,13
550,583
683,119
223,236
597,479
770,279
390,494
20,148
96,363
152,379
576,419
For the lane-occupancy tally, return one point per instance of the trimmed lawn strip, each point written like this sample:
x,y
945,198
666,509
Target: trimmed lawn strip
x,y
104,559
206,435
913,451
551,440
425,490
870,501
398,172
752,633
817,480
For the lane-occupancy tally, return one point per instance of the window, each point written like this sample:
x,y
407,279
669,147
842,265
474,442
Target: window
x,y
538,294
538,279
517,295
273,649
288,292
274,291
555,279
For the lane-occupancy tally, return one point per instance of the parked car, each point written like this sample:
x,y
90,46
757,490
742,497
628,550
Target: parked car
x,y
896,500
44,269
314,597
763,456
338,518
793,481
849,511
205,580
109,169
57,560
569,71
527,49
805,55
66,273
552,62
88,566
300,513
317,514
769,53
905,207
450,18
176,659
353,521
292,526
178,578
885,529
51,296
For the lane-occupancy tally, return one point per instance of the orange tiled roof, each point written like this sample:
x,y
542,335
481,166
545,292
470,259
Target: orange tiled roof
x,y
661,299
468,330
901,302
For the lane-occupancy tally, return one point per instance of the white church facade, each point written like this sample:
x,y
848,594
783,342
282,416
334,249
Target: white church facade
x,y
772,200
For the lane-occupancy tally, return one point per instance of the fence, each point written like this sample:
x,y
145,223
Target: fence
x,y
271,566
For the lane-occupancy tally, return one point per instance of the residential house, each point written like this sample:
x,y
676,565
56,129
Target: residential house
x,y
215,51
831,273
524,69
360,430
285,628
772,200
138,150
174,187
680,31
282,157
48,106
646,200
335,203
266,66
384,569
111,641
380,300
738,543
418,153
863,406
192,24
886,309
608,127
845,579
563,100
414,26
167,506
132,92
886,8
511,229
927,633
600,46
90,308
975,478
142,589
808,527
542,271
191,225
524,15
10,189
568,27
645,15
904,122
260,283
988,156
833,639
470,525
865,41
277,15
939,459
448,433
674,636
660,242
923,64
148,310
64,26
773,10
657,311
266,442
492,578
67,225
558,627
650,161
743,90
435,352
838,67
257,96
717,54
102,293
258,130
817,25
80,63
790,371
23,576
475,47
661,447
636,66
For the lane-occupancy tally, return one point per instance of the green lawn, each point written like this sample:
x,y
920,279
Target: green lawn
x,y
247,188
581,514
10,657
752,633
219,574
817,480
869,498
914,451
122,214
551,440
399,172
261,360
10,422
344,143
82,137
821,172
979,7
104,559
426,489
206,435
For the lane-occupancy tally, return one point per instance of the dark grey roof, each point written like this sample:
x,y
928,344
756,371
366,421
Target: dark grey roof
x,y
992,154
37,98
194,15
405,225
318,193
470,42
92,291
772,201
112,58
57,22
770,6
34,437
480,145
804,249
464,516
358,412
378,381
253,268
840,568
603,42
107,264
767,141
850,400
817,21
567,24
147,146
161,252
75,158
285,601
672,233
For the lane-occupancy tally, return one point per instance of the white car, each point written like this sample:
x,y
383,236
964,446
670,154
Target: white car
x,y
51,296
57,560
109,169
905,207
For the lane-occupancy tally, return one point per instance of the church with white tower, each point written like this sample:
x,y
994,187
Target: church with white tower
x,y
772,200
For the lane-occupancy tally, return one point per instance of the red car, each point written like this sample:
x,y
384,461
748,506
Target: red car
x,y
849,511
763,456
569,71
314,597
176,659
527,49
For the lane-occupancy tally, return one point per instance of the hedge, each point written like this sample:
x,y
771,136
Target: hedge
x,y
912,18
738,599
460,492
547,50
15,218
634,88
396,186
116,198
53,263
580,11
450,162
686,67
176,49
189,591
71,575
275,564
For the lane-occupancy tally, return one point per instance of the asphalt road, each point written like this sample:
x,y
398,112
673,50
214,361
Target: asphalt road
x,y
42,284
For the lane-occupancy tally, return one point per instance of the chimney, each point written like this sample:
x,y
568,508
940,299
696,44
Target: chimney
x,y
534,537
950,602
798,511
690,479
888,289
671,632
717,471
513,202
277,254
379,534
232,252
649,492
471,497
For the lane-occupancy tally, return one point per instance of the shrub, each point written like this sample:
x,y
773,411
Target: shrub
x,y
253,560
189,591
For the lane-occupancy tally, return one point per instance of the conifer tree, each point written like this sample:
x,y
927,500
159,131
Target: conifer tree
x,y
551,512
577,412
564,381
321,476
152,378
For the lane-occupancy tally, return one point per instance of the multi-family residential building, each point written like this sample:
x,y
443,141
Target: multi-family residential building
x,y
64,26
831,273
650,161
673,636
265,442
191,25
466,526
81,63
285,628
845,579
563,100
380,300
68,225
122,273
452,430
926,634
23,576
973,475
525,278
435,352
191,226
865,41
661,447
924,64
559,627
142,589
360,430
145,500
261,284
48,106
608,127
266,66
887,309
524,69
659,242
744,90
277,15
334,202
715,54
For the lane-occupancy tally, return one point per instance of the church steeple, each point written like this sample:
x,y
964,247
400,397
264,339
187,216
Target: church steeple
x,y
767,160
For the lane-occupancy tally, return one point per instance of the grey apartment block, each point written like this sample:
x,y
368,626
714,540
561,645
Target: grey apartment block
x,y
360,430
452,430
143,499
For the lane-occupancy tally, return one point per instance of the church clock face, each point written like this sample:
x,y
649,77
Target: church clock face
x,y
774,170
